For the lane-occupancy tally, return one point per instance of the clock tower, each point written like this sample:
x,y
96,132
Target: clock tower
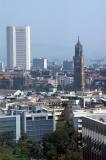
x,y
78,67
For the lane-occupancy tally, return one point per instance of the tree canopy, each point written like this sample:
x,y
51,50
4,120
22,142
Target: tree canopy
x,y
58,145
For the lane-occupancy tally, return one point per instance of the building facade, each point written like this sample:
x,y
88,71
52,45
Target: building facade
x,y
65,80
18,47
39,125
40,63
10,125
36,121
67,65
94,139
78,67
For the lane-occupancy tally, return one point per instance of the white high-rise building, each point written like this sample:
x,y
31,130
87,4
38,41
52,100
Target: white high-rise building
x,y
18,47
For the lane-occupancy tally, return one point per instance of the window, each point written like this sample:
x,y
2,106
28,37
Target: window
x,y
29,118
50,117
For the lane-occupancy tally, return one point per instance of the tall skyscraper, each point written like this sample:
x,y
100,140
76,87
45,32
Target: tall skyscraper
x,y
18,47
78,67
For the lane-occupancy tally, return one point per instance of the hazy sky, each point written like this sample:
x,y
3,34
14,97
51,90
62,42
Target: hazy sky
x,y
55,25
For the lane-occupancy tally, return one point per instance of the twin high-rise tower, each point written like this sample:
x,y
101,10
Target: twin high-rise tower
x,y
78,67
18,47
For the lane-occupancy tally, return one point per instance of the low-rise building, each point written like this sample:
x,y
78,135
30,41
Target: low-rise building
x,y
80,113
38,125
64,80
36,121
94,137
10,125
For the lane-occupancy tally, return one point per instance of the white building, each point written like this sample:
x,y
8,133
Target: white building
x,y
18,47
2,67
40,63
96,113
64,80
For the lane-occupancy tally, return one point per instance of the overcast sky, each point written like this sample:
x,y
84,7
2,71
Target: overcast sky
x,y
56,24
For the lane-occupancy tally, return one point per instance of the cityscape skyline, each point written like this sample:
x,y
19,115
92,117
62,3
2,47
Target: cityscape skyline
x,y
55,33
52,80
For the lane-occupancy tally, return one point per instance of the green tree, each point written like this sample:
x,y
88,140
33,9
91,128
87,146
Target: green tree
x,y
29,149
6,153
62,144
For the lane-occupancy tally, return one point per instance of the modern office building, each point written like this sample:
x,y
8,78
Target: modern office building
x,y
67,65
40,63
78,67
36,121
78,114
18,47
10,125
38,125
94,137
35,125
